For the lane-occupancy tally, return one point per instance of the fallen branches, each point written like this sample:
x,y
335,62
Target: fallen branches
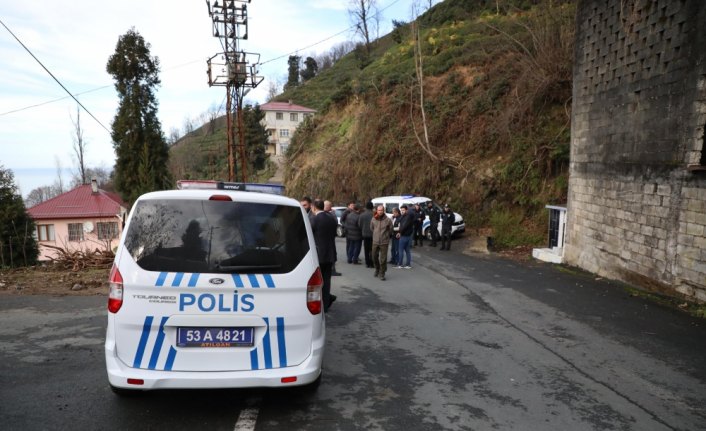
x,y
76,260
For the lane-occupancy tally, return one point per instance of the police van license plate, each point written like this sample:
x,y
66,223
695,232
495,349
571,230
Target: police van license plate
x,y
214,337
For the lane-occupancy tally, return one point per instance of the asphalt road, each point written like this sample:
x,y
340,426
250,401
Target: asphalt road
x,y
457,342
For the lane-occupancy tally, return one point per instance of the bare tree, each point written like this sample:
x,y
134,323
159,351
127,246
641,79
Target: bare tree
x,y
213,112
272,89
101,174
59,183
39,195
174,135
341,49
188,125
79,147
365,16
419,84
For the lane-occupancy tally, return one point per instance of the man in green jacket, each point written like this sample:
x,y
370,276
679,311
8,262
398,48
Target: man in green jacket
x,y
382,230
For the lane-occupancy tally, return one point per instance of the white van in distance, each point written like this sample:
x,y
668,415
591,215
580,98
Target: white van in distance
x,y
391,202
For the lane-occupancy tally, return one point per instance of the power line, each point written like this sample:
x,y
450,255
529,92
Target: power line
x,y
52,75
51,101
88,91
330,37
171,68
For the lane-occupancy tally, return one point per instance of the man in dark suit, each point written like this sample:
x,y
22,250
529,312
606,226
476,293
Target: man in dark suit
x,y
324,229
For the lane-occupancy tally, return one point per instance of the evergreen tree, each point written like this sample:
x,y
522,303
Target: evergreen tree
x,y
255,136
310,69
17,244
140,145
293,76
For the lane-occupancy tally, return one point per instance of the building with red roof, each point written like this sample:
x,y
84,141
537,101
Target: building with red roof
x,y
84,218
281,120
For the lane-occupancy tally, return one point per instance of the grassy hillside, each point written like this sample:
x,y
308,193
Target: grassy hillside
x,y
497,91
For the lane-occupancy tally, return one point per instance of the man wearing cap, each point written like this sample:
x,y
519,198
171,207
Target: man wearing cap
x,y
447,221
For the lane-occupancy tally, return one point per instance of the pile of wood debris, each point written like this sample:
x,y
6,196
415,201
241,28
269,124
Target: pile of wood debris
x,y
76,260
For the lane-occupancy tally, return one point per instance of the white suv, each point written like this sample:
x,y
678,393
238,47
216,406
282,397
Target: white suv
x,y
215,289
390,202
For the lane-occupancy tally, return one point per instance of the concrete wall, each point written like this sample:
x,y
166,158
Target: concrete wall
x,y
637,193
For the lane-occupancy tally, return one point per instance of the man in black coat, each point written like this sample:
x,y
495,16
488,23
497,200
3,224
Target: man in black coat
x,y
434,217
324,228
447,221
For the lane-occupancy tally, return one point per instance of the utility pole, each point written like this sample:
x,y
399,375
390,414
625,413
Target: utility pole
x,y
231,70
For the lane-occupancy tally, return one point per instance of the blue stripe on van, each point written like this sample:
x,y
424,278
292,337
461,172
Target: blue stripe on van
x,y
143,342
177,279
161,278
268,280
266,345
170,359
238,281
194,278
254,365
253,280
157,345
281,343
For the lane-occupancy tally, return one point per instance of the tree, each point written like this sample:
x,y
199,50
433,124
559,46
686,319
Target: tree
x,y
79,148
255,136
17,244
365,16
396,33
310,69
59,183
293,76
39,195
272,89
101,174
140,146
174,135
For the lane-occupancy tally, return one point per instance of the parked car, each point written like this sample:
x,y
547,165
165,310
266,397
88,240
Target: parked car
x,y
214,288
390,202
340,230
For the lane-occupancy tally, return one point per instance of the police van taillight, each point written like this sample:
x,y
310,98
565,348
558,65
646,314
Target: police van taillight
x,y
115,293
313,292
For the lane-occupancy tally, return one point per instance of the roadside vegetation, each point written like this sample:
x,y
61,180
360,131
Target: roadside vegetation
x,y
496,100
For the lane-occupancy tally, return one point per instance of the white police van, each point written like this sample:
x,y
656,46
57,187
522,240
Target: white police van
x,y
215,288
391,202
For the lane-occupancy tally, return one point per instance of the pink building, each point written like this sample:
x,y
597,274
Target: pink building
x,y
281,120
85,218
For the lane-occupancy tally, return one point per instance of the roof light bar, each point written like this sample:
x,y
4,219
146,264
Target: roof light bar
x,y
276,189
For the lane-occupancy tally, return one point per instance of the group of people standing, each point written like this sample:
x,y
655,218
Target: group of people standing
x,y
406,225
371,231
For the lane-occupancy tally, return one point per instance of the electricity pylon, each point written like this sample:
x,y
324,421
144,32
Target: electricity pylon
x,y
232,70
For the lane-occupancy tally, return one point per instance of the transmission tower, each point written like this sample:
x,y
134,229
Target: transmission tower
x,y
232,70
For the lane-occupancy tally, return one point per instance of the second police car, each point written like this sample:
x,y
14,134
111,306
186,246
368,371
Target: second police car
x,y
390,202
213,288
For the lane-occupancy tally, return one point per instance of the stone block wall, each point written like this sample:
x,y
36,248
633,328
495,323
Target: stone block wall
x,y
637,184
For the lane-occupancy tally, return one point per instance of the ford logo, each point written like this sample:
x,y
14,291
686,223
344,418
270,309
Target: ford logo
x,y
216,281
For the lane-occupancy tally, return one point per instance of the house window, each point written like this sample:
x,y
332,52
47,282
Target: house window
x,y
293,117
75,231
279,116
107,230
283,133
45,232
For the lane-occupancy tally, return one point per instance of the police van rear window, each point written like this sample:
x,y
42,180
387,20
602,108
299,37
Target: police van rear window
x,y
216,236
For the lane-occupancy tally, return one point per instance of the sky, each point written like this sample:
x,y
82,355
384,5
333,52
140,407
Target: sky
x,y
73,39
